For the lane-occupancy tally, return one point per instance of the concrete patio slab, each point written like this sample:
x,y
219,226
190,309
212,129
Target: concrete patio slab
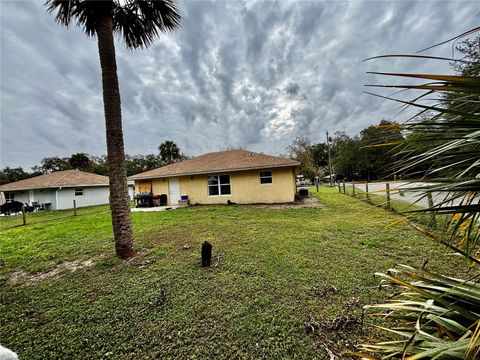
x,y
155,208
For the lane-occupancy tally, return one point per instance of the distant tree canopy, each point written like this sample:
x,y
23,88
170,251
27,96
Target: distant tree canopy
x,y
368,155
140,163
170,153
51,164
8,175
96,164
80,161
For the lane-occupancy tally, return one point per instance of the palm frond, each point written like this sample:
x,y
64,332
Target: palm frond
x,y
141,22
138,22
439,316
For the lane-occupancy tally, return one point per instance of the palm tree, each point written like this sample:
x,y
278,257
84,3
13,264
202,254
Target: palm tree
x,y
169,152
139,23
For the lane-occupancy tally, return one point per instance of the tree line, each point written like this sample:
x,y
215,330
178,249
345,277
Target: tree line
x,y
366,156
377,151
169,153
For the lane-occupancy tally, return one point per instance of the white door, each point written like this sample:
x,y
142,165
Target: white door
x,y
174,191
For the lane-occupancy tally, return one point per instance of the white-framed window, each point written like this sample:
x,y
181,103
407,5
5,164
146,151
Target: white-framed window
x,y
266,177
218,185
78,191
9,196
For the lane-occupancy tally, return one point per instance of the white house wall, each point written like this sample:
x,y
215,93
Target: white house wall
x,y
45,196
21,196
94,195
40,196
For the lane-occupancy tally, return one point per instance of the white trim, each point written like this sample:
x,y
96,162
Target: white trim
x,y
75,192
219,185
260,177
53,187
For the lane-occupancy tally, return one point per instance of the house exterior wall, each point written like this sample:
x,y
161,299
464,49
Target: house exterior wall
x,y
245,187
92,195
160,186
45,196
41,196
21,196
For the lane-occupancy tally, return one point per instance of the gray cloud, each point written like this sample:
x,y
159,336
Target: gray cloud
x,y
253,74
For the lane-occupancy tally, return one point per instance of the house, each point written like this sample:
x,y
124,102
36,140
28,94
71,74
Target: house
x,y
241,176
57,190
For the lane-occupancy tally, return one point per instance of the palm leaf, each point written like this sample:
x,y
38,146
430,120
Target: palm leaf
x,y
439,315
436,304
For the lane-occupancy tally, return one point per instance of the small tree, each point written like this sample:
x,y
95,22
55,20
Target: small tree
x,y
301,150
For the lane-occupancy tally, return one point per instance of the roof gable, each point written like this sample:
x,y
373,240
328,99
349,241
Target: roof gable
x,y
233,160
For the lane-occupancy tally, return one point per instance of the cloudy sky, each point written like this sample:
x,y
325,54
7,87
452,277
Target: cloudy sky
x,y
251,74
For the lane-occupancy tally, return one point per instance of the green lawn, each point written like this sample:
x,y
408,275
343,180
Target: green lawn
x,y
274,267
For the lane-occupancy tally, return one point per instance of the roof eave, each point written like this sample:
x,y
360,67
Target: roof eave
x,y
54,187
140,177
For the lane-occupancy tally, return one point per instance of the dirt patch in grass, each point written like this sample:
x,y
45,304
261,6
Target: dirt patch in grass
x,y
310,202
24,278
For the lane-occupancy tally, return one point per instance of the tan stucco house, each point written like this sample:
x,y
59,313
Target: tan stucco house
x,y
241,176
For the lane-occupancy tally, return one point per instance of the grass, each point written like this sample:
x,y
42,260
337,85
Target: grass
x,y
163,305
7,222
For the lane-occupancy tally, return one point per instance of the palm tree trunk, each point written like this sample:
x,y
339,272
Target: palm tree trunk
x,y
119,205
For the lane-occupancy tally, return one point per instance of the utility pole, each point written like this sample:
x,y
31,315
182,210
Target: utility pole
x,y
329,159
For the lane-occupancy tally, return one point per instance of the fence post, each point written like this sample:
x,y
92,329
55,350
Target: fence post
x,y
24,216
344,186
430,205
353,188
389,205
316,184
339,190
74,208
366,190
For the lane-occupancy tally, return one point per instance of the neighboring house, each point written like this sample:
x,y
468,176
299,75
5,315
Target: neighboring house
x,y
240,176
57,190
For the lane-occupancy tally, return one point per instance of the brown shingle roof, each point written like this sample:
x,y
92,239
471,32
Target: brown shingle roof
x,y
66,178
233,160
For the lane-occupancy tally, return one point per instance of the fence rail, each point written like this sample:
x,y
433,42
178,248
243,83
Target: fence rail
x,y
396,196
39,217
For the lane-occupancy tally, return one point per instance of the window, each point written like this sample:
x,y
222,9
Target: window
x,y
265,177
218,185
78,192
9,196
